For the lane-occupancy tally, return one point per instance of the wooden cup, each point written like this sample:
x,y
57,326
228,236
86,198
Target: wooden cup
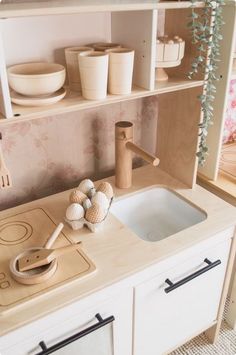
x,y
93,68
103,46
121,65
72,64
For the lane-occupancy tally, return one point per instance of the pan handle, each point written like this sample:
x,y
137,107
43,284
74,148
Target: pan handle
x,y
54,236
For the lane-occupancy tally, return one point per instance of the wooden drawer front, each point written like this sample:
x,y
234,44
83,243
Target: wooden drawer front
x,y
166,320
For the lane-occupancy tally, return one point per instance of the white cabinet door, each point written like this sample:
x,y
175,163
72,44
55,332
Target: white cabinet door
x,y
113,338
164,320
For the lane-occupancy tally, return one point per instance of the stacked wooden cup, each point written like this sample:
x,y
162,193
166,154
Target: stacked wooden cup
x,y
100,67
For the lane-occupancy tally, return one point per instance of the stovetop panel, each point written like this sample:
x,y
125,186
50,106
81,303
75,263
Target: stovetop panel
x,y
29,229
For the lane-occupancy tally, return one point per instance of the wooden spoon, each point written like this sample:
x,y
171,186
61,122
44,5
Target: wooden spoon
x,y
43,257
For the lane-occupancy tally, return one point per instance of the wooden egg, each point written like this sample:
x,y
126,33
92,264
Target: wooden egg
x,y
106,188
101,199
77,196
87,204
85,186
74,212
95,214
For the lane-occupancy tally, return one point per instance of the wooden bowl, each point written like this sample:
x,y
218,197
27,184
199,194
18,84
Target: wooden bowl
x,y
34,276
35,79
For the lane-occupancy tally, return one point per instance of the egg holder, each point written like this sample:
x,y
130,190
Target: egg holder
x,y
93,227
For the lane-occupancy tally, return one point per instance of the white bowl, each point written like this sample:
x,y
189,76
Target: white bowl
x,y
33,79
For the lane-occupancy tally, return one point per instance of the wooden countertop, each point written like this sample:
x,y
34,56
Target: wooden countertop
x,y
109,249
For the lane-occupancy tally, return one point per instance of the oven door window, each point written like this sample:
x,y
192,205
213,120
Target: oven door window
x,y
97,339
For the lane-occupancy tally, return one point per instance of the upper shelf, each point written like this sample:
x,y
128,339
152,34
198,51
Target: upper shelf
x,y
56,7
74,102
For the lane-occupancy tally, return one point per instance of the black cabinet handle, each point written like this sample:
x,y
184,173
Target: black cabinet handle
x,y
101,323
210,265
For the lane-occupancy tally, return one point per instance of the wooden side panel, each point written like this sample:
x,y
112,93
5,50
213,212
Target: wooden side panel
x,y
213,332
214,140
177,134
5,101
176,21
137,30
231,314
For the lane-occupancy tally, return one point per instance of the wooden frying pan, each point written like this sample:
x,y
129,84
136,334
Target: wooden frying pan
x,y
40,274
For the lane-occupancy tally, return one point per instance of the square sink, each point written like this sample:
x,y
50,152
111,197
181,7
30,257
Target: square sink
x,y
156,213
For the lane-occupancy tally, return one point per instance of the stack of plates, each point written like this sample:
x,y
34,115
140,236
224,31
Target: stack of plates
x,y
41,100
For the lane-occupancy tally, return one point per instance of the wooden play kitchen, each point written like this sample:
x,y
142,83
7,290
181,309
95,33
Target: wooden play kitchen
x,y
130,278
141,287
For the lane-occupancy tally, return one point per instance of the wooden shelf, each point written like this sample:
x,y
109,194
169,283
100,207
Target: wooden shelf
x,y
56,7
222,187
178,4
175,84
74,102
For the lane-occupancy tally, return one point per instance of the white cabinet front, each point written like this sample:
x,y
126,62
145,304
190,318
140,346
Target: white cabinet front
x,y
101,328
180,303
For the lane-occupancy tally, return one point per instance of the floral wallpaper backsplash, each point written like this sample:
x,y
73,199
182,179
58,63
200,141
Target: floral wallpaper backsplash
x,y
229,134
52,154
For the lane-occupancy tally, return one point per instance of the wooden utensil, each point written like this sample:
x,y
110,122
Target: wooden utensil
x,y
39,274
5,177
51,240
43,257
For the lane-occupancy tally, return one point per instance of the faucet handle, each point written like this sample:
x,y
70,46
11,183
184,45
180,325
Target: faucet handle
x,y
124,130
123,135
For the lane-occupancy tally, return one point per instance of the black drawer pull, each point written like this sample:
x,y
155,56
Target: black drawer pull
x,y
210,265
101,323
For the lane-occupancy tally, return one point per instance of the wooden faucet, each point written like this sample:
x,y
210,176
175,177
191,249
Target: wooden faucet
x,y
124,147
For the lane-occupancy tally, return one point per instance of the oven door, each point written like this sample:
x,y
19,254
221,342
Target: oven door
x,y
97,325
95,339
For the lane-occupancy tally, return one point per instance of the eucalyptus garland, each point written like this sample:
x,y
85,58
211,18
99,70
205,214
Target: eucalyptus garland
x,y
206,27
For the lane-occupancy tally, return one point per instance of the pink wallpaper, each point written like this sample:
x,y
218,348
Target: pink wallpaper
x,y
229,134
52,154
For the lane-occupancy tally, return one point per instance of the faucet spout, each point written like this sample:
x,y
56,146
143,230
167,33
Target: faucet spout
x,y
124,147
149,158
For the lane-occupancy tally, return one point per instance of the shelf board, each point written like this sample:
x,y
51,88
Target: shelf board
x,y
60,7
56,7
75,102
175,84
178,4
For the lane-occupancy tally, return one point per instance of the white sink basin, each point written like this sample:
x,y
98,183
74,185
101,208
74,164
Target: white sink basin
x,y
156,213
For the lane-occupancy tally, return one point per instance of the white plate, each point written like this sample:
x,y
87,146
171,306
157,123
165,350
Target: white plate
x,y
38,100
